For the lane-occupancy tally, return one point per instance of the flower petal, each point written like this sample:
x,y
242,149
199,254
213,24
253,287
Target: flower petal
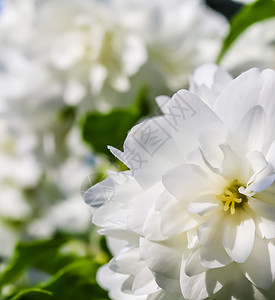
x,y
238,236
259,186
174,218
146,145
152,229
203,285
189,181
267,195
193,264
164,259
112,281
188,115
208,81
271,154
144,283
253,87
233,165
165,295
204,205
259,271
265,217
251,131
127,262
138,210
212,253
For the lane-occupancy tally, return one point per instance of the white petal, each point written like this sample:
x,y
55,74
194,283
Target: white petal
x,y
115,245
130,237
238,287
267,195
252,128
208,81
233,165
188,115
192,238
113,282
212,253
163,258
257,267
127,262
254,87
152,229
117,187
265,217
163,103
106,215
165,295
174,217
271,250
260,166
238,236
204,205
142,204
259,186
267,228
146,145
210,139
127,285
144,283
168,284
200,286
264,294
189,181
257,161
100,193
271,154
193,264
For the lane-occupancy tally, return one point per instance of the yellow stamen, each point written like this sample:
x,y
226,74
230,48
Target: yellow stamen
x,y
231,196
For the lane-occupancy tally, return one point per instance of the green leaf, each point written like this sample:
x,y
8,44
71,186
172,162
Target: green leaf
x,y
102,129
33,294
27,254
250,14
76,281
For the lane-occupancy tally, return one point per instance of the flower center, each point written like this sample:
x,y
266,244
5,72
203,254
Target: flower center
x,y
232,198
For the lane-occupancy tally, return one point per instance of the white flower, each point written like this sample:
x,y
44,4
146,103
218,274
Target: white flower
x,y
96,50
179,34
19,172
197,206
84,50
59,208
42,156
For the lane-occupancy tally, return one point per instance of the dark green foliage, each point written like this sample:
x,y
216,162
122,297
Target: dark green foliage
x,y
250,14
102,129
69,275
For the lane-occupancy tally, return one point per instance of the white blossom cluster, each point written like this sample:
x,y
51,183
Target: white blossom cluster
x,y
197,202
58,56
93,49
193,217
